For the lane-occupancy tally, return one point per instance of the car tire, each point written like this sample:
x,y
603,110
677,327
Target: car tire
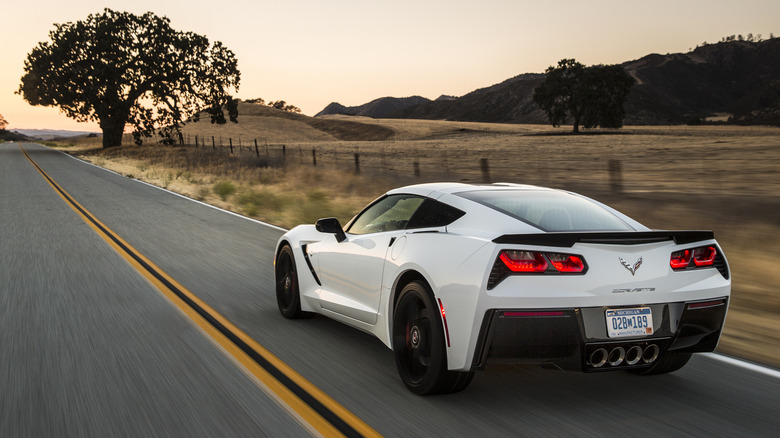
x,y
288,296
419,347
667,363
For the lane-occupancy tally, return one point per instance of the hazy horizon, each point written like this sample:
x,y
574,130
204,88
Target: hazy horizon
x,y
312,53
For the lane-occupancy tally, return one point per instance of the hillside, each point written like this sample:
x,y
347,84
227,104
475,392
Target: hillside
x,y
13,136
377,108
739,80
272,125
508,102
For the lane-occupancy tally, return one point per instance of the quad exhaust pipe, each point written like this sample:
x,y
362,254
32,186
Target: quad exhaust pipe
x,y
620,356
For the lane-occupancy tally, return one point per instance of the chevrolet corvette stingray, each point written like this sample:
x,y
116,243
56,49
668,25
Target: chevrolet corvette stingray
x,y
453,276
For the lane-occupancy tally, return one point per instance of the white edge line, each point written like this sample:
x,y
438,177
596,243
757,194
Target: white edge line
x,y
743,364
726,359
173,193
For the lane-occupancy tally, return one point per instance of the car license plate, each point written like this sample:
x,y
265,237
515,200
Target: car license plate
x,y
623,323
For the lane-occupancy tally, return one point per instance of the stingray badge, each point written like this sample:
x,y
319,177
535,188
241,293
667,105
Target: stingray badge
x,y
629,267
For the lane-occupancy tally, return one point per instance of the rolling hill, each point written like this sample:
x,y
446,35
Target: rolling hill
x,y
272,125
737,81
377,108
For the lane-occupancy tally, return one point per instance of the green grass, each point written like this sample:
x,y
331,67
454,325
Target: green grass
x,y
223,189
254,202
58,144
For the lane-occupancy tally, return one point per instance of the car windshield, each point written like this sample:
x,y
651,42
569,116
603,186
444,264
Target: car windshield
x,y
550,210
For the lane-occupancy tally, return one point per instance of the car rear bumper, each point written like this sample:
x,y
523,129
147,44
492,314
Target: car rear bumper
x,y
576,338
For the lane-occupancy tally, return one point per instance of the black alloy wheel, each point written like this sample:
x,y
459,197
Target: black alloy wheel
x,y
288,295
419,346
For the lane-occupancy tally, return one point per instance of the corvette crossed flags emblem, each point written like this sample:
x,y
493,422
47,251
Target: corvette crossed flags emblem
x,y
628,266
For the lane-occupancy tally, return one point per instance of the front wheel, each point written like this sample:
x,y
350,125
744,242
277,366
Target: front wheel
x,y
418,344
288,296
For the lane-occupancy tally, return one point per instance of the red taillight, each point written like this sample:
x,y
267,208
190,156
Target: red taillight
x,y
566,262
524,261
706,304
701,257
520,261
681,259
704,256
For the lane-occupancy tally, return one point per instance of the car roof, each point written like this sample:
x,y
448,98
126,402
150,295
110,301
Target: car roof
x,y
435,190
500,222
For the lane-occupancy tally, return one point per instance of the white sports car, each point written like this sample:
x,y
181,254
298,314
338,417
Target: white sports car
x,y
451,276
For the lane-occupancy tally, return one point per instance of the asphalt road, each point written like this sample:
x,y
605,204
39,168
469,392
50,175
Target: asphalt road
x,y
88,347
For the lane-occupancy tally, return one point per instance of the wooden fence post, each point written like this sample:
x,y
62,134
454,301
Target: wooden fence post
x,y
357,163
257,151
231,144
417,169
213,144
483,165
615,176
314,157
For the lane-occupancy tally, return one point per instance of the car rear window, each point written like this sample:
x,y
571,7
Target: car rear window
x,y
549,210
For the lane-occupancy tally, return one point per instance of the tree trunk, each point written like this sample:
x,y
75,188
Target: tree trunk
x,y
112,133
577,111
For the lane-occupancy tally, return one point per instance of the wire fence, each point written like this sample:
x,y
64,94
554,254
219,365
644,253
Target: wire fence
x,y
543,163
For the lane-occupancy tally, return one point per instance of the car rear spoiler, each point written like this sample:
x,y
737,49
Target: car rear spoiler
x,y
607,238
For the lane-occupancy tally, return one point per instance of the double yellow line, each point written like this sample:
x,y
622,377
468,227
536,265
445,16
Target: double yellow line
x,y
323,415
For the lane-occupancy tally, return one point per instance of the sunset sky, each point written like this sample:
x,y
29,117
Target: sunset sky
x,y
312,52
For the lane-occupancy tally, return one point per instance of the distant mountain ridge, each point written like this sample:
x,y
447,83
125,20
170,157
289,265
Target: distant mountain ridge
x,y
377,108
740,79
49,134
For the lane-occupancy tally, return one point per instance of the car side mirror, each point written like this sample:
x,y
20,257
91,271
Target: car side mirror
x,y
331,225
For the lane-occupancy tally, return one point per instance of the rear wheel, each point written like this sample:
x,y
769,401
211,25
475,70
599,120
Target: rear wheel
x,y
418,344
288,295
667,363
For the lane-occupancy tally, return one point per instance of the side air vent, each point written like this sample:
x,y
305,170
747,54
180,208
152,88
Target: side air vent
x,y
720,265
497,274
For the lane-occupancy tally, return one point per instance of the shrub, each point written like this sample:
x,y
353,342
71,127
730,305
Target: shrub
x,y
253,202
223,189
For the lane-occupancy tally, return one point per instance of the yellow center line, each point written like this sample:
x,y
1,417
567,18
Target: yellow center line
x,y
322,413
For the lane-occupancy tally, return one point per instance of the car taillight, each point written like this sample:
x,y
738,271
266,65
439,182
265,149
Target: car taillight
x,y
701,257
681,259
704,256
524,261
566,262
537,262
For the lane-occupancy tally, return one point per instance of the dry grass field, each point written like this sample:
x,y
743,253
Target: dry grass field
x,y
722,178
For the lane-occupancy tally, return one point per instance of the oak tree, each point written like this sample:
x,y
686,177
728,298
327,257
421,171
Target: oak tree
x,y
119,69
589,96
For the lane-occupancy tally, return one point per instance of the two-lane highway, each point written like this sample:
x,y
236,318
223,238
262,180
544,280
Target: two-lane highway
x,y
89,347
